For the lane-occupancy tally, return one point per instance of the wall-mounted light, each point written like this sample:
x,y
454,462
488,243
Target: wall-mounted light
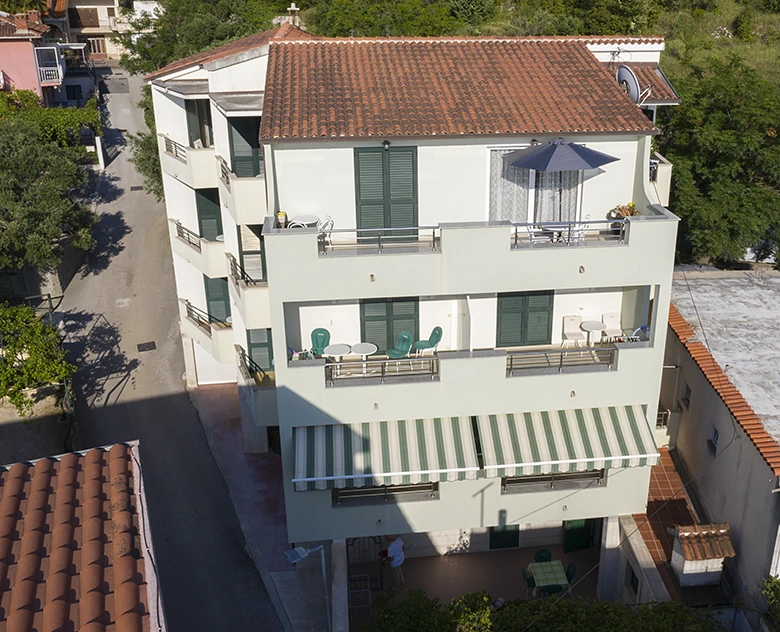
x,y
386,145
582,269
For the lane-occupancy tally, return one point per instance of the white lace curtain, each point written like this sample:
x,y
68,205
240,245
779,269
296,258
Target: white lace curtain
x,y
508,189
556,196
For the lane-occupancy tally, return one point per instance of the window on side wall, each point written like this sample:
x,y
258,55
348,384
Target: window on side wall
x,y
686,398
712,442
632,580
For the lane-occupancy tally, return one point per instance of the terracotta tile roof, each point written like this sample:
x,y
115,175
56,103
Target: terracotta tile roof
x,y
353,88
767,446
22,25
285,31
72,553
662,92
58,8
705,541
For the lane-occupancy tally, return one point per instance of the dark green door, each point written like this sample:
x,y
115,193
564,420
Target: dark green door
x,y
246,157
386,191
199,122
524,318
260,348
217,298
382,320
209,215
506,537
577,535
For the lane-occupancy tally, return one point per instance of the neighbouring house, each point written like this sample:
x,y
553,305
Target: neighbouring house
x,y
75,544
440,342
720,395
59,73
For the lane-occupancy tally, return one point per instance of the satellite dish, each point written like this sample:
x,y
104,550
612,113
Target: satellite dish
x,y
628,81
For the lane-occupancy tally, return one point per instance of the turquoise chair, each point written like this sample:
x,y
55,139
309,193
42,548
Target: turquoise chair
x,y
530,582
320,338
571,572
422,345
403,345
542,555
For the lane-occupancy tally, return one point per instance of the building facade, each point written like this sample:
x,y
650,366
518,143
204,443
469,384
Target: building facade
x,y
359,194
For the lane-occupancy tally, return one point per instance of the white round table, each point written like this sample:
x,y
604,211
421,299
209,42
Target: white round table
x,y
309,221
365,349
336,351
590,326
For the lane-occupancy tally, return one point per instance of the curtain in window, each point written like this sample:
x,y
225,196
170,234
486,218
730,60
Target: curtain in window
x,y
508,189
556,196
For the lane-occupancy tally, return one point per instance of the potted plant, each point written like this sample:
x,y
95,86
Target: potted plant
x,y
620,212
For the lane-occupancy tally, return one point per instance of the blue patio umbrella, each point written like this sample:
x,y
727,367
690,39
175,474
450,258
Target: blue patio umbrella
x,y
558,155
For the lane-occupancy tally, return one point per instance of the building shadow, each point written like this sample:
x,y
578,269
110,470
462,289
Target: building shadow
x,y
93,346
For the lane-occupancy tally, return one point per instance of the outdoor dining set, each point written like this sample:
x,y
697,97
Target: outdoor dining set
x,y
577,331
547,575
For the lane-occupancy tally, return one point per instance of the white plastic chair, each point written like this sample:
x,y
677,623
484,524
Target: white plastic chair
x,y
572,331
579,230
536,235
324,228
613,330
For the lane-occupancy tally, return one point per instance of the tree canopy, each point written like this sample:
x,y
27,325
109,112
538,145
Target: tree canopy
x,y
476,613
723,142
39,212
20,6
144,149
30,356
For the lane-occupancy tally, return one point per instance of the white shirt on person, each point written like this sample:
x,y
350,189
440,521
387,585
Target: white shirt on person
x,y
395,551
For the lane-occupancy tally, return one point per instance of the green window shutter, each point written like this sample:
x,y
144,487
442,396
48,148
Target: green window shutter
x,y
217,298
404,314
539,320
370,188
511,319
374,323
209,215
193,124
402,177
251,251
260,348
245,156
204,121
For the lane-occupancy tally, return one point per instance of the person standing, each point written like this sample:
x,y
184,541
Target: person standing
x,y
395,555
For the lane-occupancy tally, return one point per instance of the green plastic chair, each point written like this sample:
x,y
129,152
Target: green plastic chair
x,y
542,555
403,345
432,342
571,572
320,338
530,582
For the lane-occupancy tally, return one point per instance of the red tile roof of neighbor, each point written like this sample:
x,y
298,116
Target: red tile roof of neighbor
x,y
72,553
258,40
58,8
751,423
22,25
661,91
705,541
402,87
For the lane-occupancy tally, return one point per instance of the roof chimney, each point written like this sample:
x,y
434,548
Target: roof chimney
x,y
34,17
20,19
293,11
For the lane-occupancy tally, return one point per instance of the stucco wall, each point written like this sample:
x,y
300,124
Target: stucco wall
x,y
736,488
17,61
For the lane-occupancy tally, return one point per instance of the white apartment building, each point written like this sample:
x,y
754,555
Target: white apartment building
x,y
390,160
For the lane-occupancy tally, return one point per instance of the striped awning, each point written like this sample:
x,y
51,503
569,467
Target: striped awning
x,y
566,441
384,453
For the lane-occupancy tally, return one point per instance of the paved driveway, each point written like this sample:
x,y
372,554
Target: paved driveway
x,y
124,296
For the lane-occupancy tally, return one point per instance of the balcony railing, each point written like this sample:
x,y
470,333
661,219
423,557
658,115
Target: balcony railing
x,y
381,369
204,320
568,233
249,368
50,74
190,237
177,150
417,238
662,419
239,274
560,359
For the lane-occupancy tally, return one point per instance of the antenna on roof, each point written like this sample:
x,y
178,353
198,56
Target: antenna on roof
x,y
293,12
630,84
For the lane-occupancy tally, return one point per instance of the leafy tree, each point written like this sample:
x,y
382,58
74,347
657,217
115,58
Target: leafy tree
x,y
476,613
340,18
30,356
723,141
144,150
473,11
20,6
38,209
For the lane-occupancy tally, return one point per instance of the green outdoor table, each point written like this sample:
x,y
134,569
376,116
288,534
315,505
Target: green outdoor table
x,y
548,574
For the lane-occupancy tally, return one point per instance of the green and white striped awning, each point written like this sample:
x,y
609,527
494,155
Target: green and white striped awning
x,y
384,453
566,441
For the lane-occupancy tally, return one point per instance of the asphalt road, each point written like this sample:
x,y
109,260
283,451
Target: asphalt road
x,y
125,296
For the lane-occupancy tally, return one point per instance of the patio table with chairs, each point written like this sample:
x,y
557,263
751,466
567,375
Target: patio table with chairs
x,y
547,575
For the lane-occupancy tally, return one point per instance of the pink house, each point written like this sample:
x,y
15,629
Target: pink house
x,y
20,35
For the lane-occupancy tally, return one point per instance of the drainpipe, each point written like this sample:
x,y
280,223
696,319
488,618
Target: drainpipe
x,y
471,329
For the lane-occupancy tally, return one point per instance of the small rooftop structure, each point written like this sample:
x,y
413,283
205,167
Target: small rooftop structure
x,y
698,553
26,25
75,546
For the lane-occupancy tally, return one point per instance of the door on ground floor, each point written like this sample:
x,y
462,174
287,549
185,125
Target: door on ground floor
x,y
506,537
577,535
364,563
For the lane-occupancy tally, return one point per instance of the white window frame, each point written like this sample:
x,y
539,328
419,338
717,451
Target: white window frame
x,y
532,185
